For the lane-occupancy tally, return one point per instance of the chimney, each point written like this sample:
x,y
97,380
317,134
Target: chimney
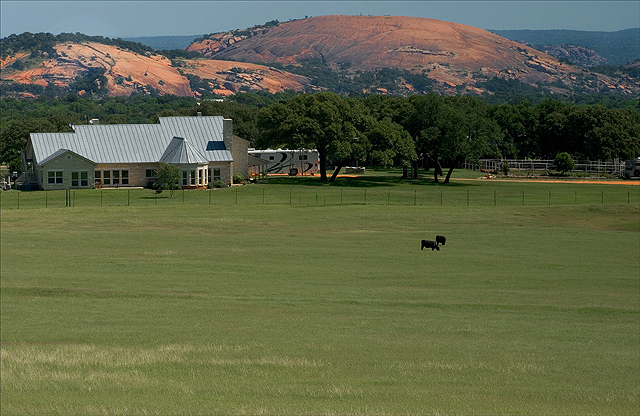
x,y
227,132
199,113
94,121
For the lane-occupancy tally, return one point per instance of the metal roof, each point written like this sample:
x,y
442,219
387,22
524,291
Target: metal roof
x,y
136,143
180,151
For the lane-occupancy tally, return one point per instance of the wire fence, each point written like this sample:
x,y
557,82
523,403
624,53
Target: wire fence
x,y
319,196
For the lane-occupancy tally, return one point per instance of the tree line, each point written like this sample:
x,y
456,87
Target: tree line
x,y
417,132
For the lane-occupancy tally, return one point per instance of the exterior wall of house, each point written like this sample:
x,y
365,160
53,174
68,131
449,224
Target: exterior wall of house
x,y
58,173
136,174
225,171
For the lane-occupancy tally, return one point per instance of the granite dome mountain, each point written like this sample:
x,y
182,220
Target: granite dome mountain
x,y
457,57
346,54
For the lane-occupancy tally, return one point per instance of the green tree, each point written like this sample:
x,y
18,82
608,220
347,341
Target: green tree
x,y
469,133
391,145
334,126
13,139
564,162
168,177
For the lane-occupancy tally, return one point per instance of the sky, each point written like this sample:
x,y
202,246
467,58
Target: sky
x,y
126,19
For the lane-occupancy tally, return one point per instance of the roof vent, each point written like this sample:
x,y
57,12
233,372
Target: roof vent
x,y
199,113
94,121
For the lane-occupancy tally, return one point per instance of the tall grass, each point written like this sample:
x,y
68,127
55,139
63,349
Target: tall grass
x,y
321,309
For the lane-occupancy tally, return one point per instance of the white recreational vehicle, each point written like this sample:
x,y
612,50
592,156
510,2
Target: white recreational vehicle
x,y
632,168
290,162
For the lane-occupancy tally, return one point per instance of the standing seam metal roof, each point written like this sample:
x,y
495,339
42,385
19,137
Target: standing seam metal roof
x,y
136,143
180,151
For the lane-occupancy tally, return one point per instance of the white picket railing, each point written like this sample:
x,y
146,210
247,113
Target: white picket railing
x,y
595,166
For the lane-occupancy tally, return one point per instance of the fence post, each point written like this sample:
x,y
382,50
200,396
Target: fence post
x,y
236,195
494,197
602,197
101,197
440,196
156,198
467,197
365,196
522,197
262,196
388,197
290,190
183,196
18,200
340,196
415,196
549,197
210,196
128,196
46,199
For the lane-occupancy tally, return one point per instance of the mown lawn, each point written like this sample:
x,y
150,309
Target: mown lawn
x,y
284,308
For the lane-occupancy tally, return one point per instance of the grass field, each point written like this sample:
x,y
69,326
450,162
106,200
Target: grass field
x,y
319,306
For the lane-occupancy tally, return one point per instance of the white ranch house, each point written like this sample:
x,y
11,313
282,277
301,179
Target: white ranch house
x,y
128,155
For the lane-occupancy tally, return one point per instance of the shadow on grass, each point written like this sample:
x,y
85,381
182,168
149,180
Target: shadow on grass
x,y
362,181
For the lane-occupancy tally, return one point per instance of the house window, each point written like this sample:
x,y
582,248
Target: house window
x,y
214,174
151,173
193,177
303,157
106,177
125,177
184,178
54,177
116,177
98,176
80,179
271,157
200,176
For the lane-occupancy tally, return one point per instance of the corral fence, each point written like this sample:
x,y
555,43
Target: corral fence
x,y
524,165
325,196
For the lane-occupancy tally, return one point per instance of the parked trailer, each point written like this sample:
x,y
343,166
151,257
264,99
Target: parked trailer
x,y
288,162
632,168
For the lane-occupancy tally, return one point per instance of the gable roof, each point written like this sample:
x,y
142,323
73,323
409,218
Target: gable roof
x,y
61,152
180,151
136,143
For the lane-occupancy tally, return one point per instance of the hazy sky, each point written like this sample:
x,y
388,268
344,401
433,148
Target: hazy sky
x,y
156,18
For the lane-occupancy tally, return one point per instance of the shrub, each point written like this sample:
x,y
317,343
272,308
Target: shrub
x,y
216,184
238,178
505,168
564,162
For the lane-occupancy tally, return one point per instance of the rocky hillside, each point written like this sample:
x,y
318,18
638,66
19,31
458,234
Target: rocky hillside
x,y
575,54
87,68
459,58
345,54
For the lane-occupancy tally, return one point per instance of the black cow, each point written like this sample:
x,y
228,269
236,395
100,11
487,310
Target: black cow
x,y
429,244
440,239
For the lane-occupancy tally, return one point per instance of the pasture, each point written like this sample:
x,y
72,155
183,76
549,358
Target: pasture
x,y
255,302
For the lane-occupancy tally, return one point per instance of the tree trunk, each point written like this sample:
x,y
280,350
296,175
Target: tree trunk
x,y
448,174
335,172
322,155
405,173
415,165
437,169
